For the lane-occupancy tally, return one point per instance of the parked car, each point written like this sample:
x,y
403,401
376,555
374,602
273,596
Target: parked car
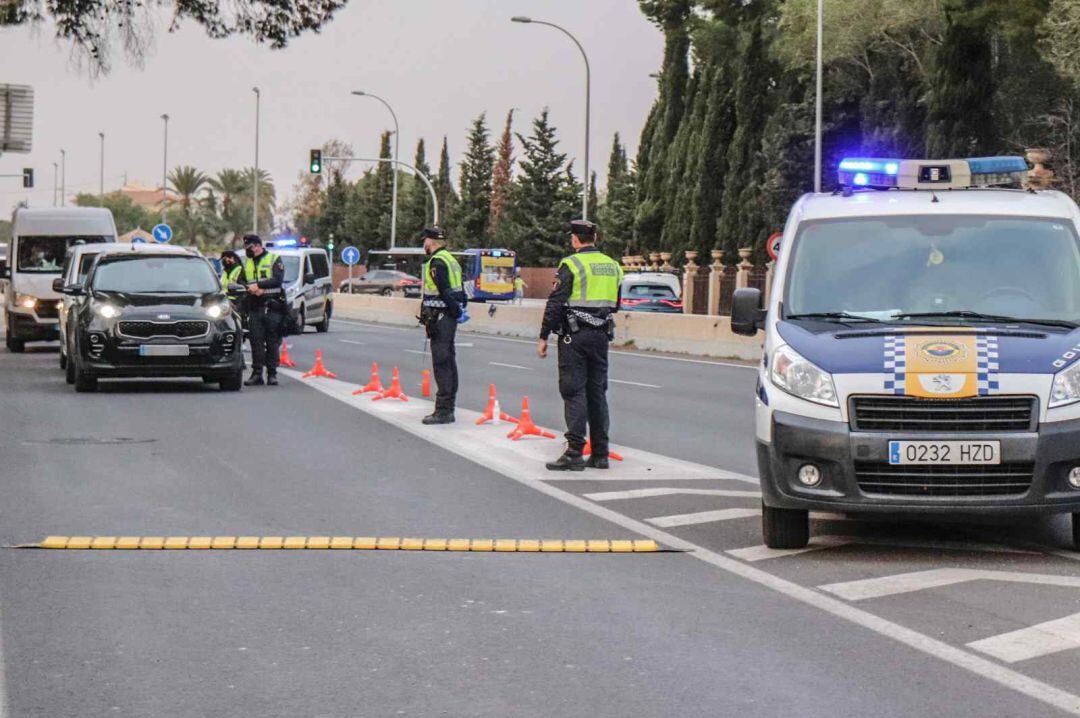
x,y
384,282
668,279
649,296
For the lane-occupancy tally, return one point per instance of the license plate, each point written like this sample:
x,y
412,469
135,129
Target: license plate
x,y
164,350
944,452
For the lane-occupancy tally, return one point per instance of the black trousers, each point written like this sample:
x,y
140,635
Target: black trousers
x,y
265,325
444,361
583,376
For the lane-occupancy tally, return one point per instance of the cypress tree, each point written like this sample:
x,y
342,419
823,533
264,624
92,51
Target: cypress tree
x,y
501,175
444,189
960,120
616,214
474,210
711,176
416,212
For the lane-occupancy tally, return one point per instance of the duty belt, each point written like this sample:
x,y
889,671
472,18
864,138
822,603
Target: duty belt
x,y
434,303
591,319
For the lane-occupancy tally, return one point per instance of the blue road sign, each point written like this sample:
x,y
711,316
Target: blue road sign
x,y
162,232
140,240
350,255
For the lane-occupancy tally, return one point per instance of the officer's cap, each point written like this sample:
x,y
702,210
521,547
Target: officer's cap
x,y
433,233
230,253
250,239
583,228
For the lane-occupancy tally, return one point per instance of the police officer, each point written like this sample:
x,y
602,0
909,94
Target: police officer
x,y
264,275
441,309
580,309
231,271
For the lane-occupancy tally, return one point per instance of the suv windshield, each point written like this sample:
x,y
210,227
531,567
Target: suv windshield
x,y
166,275
45,254
881,267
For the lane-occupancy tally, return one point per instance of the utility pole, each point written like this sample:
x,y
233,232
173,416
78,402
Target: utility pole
x,y
63,178
164,168
101,173
255,190
397,145
817,100
55,180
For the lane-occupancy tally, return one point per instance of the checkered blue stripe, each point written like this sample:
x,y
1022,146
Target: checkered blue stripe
x,y
987,349
895,364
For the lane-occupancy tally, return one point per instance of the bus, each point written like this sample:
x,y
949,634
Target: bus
x,y
488,274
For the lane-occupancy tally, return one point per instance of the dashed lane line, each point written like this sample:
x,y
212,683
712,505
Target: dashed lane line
x,y
351,341
635,383
509,366
649,493
521,461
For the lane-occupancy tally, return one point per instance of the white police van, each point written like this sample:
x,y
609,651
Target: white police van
x,y
921,346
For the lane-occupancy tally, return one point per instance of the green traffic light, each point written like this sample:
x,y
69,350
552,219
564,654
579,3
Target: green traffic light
x,y
315,164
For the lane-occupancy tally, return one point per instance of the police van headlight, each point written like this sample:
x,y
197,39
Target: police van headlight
x,y
26,301
798,377
1066,389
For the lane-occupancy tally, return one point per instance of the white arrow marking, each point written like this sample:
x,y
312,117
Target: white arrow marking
x,y
1041,639
935,578
646,493
702,517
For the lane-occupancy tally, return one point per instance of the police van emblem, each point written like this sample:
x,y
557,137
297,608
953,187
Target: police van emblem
x,y
941,351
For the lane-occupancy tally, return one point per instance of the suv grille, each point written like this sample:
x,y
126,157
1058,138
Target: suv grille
x,y
905,413
1000,480
180,330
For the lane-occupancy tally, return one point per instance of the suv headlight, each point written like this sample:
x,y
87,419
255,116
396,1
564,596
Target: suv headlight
x,y
1066,389
217,311
108,311
798,377
26,301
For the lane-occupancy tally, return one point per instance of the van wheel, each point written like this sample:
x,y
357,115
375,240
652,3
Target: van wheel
x,y
233,382
301,320
1076,532
785,528
324,326
84,383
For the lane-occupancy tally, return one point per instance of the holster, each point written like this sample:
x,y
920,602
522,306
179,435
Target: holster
x,y
428,316
610,328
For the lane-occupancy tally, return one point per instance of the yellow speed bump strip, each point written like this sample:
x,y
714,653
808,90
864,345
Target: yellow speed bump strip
x,y
361,543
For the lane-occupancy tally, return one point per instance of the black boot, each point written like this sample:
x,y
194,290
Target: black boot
x,y
271,380
570,461
255,379
596,462
439,417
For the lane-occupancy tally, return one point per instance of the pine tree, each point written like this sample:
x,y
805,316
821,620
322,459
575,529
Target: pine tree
x,y
474,210
616,214
501,175
444,189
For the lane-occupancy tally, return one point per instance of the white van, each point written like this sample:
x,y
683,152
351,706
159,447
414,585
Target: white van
x,y
39,241
922,348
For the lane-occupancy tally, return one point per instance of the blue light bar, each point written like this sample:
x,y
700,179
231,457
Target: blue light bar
x,y
284,242
996,165
872,165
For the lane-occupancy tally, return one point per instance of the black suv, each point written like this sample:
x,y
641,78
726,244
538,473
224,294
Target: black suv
x,y
153,315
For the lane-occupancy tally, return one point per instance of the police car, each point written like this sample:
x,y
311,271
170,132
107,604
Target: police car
x,y
921,348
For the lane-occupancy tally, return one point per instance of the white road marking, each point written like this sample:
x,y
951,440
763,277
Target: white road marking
x,y
3,675
715,475
509,366
702,517
464,344
466,442
646,493
373,326
936,578
413,351
634,383
350,341
1042,639
639,355
761,553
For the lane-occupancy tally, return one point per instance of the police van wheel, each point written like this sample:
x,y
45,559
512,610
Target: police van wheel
x,y
785,528
1076,532
324,326
233,382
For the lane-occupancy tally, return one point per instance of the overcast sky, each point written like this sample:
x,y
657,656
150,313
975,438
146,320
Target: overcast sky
x,y
439,63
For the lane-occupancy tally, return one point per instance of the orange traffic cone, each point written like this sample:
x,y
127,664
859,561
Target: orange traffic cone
x,y
374,384
489,412
526,427
394,392
425,383
285,360
318,369
588,450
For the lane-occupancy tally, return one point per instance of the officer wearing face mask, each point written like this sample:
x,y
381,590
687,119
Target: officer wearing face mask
x,y
442,308
264,276
231,271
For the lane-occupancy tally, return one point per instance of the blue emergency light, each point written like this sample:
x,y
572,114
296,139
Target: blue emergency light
x,y
888,173
869,172
282,242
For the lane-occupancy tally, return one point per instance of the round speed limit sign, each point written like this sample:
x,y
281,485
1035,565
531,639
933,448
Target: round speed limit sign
x,y
772,244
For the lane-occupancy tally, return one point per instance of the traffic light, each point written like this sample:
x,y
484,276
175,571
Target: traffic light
x,y
28,177
316,162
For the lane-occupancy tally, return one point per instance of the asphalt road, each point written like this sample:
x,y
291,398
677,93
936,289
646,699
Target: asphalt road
x,y
726,628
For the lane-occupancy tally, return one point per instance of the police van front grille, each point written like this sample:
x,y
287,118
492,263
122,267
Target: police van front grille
x,y
977,414
984,480
181,330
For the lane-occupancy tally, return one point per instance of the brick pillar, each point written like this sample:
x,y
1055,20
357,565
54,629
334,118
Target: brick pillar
x,y
716,273
690,272
742,279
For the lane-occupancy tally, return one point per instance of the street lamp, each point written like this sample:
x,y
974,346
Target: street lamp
x,y
55,187
101,172
817,100
164,167
588,89
397,145
255,191
63,178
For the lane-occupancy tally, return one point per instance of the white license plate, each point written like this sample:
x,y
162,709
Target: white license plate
x,y
944,452
164,350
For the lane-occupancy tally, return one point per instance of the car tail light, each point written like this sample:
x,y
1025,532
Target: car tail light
x,y
672,303
632,302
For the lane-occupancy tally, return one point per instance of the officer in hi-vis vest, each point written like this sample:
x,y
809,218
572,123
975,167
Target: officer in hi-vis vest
x,y
581,311
442,308
264,275
231,271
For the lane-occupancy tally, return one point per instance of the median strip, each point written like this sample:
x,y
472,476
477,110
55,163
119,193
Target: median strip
x,y
358,543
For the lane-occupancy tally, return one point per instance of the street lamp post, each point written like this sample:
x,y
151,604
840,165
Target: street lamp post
x,y
101,172
817,100
164,168
55,179
397,145
63,178
398,163
588,91
255,190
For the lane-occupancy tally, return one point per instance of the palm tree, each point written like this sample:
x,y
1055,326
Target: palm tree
x,y
267,195
230,188
188,183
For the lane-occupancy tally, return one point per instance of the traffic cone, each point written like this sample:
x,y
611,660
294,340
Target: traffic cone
x,y
588,450
318,369
425,383
394,392
285,360
526,427
492,408
374,384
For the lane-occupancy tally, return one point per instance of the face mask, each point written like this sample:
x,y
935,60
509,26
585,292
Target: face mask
x,y
250,252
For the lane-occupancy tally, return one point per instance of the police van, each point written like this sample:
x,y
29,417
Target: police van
x,y
921,348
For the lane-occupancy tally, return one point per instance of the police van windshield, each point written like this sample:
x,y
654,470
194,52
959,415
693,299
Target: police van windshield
x,y
883,268
292,268
156,275
45,254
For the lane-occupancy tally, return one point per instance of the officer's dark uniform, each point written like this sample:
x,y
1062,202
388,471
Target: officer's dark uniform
x,y
265,313
442,305
580,310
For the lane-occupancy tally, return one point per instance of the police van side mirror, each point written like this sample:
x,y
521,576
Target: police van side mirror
x,y
309,278
747,316
58,285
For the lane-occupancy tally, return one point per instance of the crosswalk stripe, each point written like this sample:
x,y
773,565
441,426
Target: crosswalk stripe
x,y
702,517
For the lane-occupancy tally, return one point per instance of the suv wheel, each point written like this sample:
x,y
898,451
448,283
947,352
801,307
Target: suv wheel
x,y
84,382
324,326
63,357
233,382
785,528
1076,532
